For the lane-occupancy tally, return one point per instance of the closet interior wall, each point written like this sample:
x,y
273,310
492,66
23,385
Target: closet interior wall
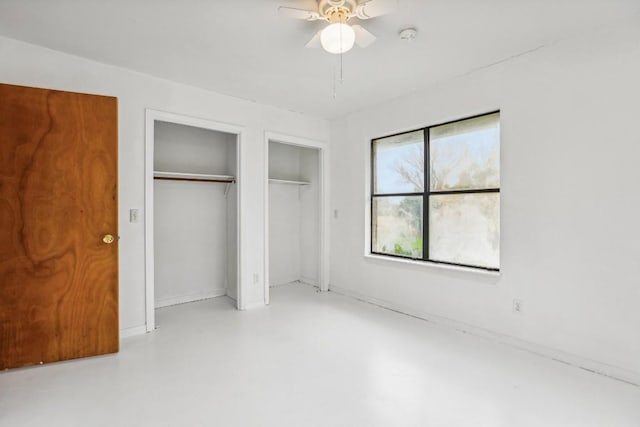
x,y
294,217
195,222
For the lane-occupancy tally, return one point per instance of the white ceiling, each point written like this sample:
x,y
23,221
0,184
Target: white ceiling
x,y
245,49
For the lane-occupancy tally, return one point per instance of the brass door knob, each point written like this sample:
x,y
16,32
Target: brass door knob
x,y
108,238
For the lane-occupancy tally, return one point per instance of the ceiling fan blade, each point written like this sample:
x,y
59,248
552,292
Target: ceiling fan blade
x,y
295,13
368,9
363,37
315,41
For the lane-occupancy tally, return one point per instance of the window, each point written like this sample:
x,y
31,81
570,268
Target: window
x,y
435,193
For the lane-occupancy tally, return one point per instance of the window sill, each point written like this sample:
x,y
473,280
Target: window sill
x,y
428,264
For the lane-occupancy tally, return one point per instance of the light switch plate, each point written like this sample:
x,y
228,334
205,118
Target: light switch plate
x,y
134,215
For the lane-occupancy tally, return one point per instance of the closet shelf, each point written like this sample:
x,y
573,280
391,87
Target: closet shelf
x,y
288,182
181,176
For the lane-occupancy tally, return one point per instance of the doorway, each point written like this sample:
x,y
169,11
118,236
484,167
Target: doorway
x,y
295,212
192,209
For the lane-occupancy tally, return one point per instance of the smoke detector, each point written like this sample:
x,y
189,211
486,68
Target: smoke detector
x,y
408,34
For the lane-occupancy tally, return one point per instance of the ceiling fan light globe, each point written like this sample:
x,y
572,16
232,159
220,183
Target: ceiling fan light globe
x,y
337,38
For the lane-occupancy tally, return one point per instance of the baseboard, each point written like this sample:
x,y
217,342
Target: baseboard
x,y
275,285
133,331
309,281
600,368
166,302
302,280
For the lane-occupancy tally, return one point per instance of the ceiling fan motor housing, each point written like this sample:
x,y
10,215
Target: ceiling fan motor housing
x,y
337,10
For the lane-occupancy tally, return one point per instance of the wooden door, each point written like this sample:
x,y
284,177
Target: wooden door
x,y
58,201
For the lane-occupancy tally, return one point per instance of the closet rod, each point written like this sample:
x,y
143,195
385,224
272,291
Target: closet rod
x,y
226,181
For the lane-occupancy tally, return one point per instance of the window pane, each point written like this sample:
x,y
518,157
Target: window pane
x,y
397,226
398,163
466,154
465,229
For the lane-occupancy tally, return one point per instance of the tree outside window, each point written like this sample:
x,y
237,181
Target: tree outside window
x,y
439,185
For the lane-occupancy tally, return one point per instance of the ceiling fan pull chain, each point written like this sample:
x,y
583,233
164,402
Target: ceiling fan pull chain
x,y
338,77
341,76
333,83
341,52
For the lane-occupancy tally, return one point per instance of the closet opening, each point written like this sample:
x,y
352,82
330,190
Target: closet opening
x,y
294,215
192,212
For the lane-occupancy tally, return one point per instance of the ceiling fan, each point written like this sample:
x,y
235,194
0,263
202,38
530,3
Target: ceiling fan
x,y
339,37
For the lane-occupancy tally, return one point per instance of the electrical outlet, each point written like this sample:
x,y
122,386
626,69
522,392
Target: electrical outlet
x,y
517,306
256,278
335,213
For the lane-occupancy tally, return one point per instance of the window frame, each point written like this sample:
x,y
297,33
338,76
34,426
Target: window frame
x,y
426,194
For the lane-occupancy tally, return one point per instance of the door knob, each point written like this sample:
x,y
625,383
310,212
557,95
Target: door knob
x,y
108,238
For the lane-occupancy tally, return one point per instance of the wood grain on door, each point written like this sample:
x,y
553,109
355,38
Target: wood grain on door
x,y
58,204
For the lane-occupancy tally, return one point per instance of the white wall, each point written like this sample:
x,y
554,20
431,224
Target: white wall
x,y
30,65
284,214
284,234
190,241
180,148
232,227
191,225
570,202
284,161
310,216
